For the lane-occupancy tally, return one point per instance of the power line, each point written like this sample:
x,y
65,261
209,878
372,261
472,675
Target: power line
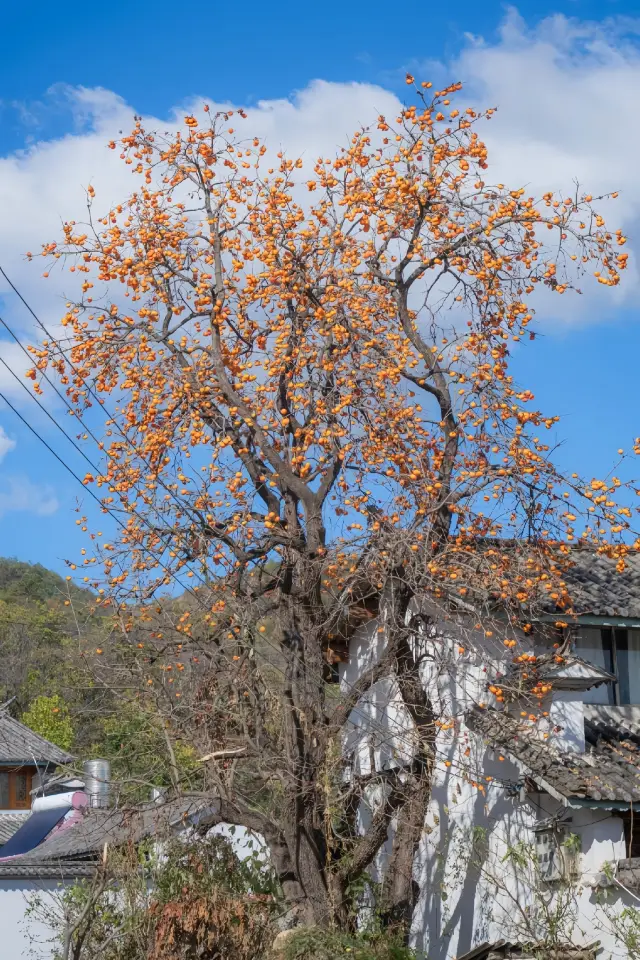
x,y
92,392
355,711
54,454
44,409
369,720
71,440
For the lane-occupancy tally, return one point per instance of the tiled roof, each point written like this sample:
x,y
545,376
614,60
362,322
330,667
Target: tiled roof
x,y
628,873
597,588
96,827
611,723
608,770
504,950
593,584
19,744
77,846
9,823
573,673
39,870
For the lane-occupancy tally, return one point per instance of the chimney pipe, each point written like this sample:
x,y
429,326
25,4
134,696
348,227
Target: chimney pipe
x,y
97,774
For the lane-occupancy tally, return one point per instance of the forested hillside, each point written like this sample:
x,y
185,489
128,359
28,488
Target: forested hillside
x,y
54,677
33,583
45,623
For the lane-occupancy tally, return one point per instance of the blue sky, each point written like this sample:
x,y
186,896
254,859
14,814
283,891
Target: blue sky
x,y
245,52
565,75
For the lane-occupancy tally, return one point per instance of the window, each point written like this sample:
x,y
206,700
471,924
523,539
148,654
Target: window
x,y
628,665
596,646
15,789
616,650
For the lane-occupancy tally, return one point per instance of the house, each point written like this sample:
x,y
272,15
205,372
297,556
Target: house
x,y
532,835
26,759
60,844
63,839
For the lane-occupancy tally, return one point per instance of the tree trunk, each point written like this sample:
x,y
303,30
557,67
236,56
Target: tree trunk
x,y
400,890
308,856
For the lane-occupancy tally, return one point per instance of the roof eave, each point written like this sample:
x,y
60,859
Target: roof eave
x,y
589,620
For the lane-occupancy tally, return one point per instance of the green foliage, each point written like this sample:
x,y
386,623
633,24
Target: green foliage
x,y
45,622
195,901
49,716
135,742
25,582
210,863
316,944
573,843
622,921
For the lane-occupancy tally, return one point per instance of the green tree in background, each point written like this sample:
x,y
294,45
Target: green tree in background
x,y
49,716
143,753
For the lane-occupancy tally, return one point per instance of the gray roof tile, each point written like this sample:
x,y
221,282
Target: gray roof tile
x,y
608,770
96,827
19,744
598,589
504,950
76,847
9,823
23,867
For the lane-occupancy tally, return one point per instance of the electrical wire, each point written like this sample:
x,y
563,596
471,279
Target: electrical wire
x,y
370,721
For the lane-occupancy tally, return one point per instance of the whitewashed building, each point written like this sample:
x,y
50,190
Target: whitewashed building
x,y
533,829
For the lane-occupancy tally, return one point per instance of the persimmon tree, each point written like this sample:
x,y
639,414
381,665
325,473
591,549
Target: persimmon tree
x,y
311,416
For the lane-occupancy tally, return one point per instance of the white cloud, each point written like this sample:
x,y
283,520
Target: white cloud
x,y
6,444
566,92
44,184
18,493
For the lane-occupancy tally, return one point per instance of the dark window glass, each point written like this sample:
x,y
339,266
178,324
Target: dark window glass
x,y
628,665
596,646
21,788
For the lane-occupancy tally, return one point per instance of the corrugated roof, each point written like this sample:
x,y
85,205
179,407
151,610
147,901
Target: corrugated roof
x,y
19,744
608,770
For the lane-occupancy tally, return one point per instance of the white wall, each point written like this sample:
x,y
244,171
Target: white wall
x,y
24,933
472,888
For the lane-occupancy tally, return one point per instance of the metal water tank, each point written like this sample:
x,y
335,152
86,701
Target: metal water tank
x,y
97,774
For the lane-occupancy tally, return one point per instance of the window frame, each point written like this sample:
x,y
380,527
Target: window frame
x,y
616,636
612,640
631,824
